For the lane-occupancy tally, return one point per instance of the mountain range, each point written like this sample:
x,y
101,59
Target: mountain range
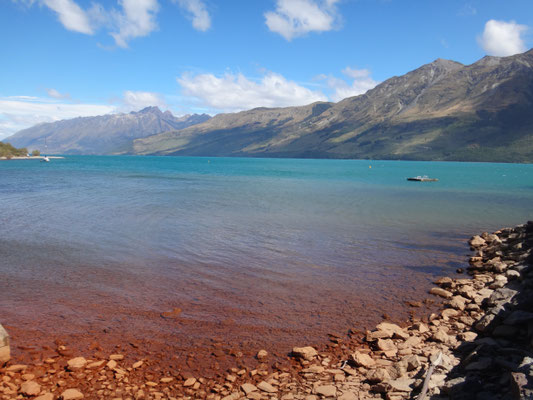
x,y
104,134
443,110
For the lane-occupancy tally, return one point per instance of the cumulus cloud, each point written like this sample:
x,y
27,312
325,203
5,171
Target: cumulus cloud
x,y
501,38
198,13
136,19
56,95
70,15
235,92
134,101
20,112
361,83
293,18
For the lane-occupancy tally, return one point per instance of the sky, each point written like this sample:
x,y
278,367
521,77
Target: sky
x,y
62,59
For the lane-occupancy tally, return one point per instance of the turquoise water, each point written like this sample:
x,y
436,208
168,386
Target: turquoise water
x,y
264,240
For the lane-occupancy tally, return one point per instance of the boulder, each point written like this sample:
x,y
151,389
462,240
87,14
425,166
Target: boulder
x,y
71,394
76,363
306,353
441,292
363,360
477,241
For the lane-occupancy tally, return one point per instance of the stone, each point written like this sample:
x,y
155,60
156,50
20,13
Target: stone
x,y
174,314
420,327
458,302
314,369
479,365
266,387
468,336
111,364
511,274
477,241
449,312
518,317
189,382
326,390
411,362
76,363
262,354
5,352
96,364
137,364
441,292
386,345
518,383
440,336
167,379
347,395
306,353
392,330
378,375
363,360
484,322
402,384
16,368
248,388
71,394
30,388
45,396
116,357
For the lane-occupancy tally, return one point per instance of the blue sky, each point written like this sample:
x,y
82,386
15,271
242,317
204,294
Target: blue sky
x,y
67,58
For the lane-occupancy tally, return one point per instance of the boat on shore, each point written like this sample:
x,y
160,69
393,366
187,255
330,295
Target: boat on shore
x,y
424,178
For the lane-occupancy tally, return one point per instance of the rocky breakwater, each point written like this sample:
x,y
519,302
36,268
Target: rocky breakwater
x,y
478,346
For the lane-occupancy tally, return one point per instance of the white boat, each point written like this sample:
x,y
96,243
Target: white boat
x,y
45,159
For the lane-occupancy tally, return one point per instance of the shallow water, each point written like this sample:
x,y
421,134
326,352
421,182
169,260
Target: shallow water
x,y
282,245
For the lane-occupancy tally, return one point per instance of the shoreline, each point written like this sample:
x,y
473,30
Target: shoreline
x,y
389,362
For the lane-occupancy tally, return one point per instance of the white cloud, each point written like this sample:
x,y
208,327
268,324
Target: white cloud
x,y
70,15
502,38
136,19
134,101
294,18
20,112
200,17
56,95
362,82
235,92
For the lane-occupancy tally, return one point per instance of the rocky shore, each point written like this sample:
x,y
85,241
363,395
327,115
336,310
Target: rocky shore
x,y
478,346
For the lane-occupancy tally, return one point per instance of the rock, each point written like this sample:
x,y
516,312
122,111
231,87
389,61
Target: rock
x,y
402,384
440,336
174,314
468,336
482,364
248,388
420,327
116,357
411,362
112,364
458,302
189,382
326,390
477,241
378,375
440,292
449,312
363,360
5,352
45,396
262,354
518,317
392,330
266,387
511,274
314,369
30,388
483,324
347,395
96,364
137,364
386,345
16,368
76,363
167,379
306,353
518,383
71,394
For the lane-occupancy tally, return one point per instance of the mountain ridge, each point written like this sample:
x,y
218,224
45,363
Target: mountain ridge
x,y
443,110
103,134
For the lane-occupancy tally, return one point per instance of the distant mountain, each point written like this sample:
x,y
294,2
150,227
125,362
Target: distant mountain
x,y
441,111
105,134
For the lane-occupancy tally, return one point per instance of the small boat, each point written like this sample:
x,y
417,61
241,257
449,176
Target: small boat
x,y
424,178
45,159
